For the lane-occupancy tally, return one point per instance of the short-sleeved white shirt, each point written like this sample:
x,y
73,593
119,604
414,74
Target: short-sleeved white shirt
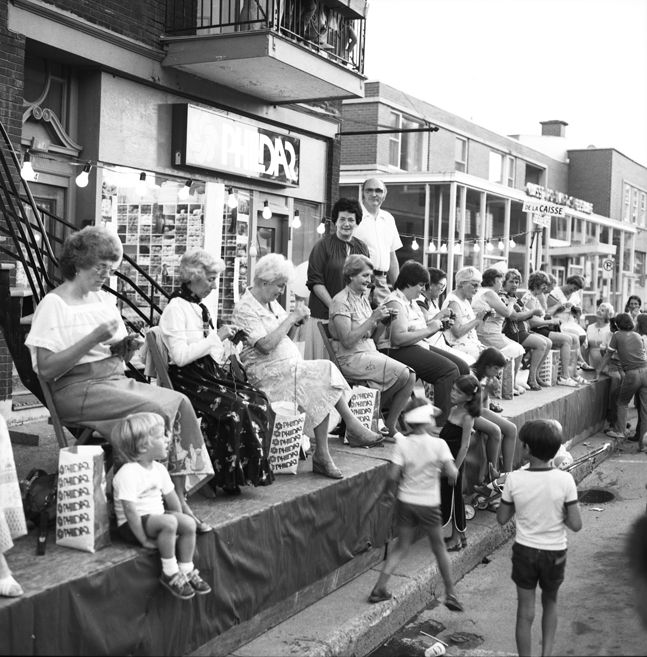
x,y
57,325
540,498
380,236
143,487
421,458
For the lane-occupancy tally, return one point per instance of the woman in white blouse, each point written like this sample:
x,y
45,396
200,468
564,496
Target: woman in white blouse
x,y
237,420
78,343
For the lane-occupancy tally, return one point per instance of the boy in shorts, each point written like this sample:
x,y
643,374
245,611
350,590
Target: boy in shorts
x,y
545,502
417,462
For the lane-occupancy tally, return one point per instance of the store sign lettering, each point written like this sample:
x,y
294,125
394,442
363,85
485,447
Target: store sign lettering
x,y
550,195
544,208
209,140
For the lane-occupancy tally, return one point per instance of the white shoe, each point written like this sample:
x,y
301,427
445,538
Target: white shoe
x,y
561,381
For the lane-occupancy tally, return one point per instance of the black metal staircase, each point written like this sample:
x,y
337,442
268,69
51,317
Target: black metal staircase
x,y
34,248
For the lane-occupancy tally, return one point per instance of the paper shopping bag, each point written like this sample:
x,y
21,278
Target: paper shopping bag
x,y
545,372
286,437
82,519
364,404
507,380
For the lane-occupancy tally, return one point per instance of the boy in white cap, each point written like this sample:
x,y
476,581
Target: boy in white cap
x,y
417,463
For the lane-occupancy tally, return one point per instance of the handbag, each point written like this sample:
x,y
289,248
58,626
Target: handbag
x,y
39,491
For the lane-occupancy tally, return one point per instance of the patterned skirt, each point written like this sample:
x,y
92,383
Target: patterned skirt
x,y
12,516
237,422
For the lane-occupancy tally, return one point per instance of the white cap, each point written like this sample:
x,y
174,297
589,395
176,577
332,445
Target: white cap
x,y
421,414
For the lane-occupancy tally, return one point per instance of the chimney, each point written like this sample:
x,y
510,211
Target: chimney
x,y
554,128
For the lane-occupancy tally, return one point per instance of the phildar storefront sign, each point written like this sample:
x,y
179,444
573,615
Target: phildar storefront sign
x,y
207,139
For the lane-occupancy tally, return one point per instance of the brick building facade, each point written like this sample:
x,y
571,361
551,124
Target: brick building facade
x,y
458,194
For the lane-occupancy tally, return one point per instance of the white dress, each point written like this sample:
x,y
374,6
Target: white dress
x,y
468,343
491,332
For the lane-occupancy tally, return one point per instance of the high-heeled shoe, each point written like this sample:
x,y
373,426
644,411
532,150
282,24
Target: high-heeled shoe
x,y
328,469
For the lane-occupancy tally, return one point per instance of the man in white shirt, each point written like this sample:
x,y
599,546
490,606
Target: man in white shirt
x,y
380,234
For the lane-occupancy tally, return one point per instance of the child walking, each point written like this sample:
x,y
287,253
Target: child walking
x,y
545,502
142,488
457,432
416,464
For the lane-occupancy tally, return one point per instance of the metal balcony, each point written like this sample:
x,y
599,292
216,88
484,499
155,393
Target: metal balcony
x,y
282,51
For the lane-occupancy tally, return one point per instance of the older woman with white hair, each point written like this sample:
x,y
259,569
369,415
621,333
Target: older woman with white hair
x,y
237,419
274,363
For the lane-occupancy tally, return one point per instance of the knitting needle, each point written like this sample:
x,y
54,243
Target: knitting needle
x,y
435,639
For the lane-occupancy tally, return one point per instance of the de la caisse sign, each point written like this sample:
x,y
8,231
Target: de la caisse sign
x,y
207,139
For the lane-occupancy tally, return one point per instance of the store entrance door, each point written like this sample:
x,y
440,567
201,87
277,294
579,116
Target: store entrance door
x,y
272,237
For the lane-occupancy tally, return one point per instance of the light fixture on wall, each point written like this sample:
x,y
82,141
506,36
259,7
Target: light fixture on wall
x,y
27,171
296,219
501,245
185,192
141,187
267,213
83,178
321,228
232,199
477,247
488,246
432,247
512,243
443,247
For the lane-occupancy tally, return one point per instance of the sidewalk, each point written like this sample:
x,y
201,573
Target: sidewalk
x,y
344,623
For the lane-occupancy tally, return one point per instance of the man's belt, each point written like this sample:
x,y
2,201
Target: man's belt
x,y
379,272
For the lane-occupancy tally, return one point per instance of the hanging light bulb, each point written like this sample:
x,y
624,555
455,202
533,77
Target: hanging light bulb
x,y
443,247
321,228
232,199
477,247
432,247
414,245
83,178
488,246
185,192
296,220
27,171
512,243
501,245
141,187
459,247
267,213
253,251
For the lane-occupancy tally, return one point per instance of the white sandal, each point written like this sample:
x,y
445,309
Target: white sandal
x,y
9,588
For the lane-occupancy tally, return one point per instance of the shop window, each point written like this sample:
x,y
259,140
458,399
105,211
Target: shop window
x,y
577,236
304,238
496,167
511,166
561,228
591,232
461,154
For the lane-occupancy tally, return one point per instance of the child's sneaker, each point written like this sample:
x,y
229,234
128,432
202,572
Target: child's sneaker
x,y
178,585
197,583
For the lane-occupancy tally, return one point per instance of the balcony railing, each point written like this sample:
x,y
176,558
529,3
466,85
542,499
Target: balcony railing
x,y
335,29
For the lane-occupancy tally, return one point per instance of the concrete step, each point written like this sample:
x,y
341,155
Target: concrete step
x,y
345,623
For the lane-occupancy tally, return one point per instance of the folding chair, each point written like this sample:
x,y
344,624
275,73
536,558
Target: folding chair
x,y
83,435
159,360
327,340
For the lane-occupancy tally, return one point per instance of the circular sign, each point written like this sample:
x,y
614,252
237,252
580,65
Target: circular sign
x,y
608,264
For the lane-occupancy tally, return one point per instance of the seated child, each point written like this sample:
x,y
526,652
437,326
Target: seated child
x,y
142,488
545,502
418,460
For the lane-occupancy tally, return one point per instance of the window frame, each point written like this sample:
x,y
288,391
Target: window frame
x,y
395,138
457,162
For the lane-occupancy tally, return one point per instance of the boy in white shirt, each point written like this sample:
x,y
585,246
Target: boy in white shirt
x,y
416,465
545,502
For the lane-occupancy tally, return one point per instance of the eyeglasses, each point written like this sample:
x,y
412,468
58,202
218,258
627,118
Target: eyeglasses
x,y
104,270
374,190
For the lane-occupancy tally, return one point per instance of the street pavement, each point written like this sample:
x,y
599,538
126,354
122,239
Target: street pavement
x,y
596,610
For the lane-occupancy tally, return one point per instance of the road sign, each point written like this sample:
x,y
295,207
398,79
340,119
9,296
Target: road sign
x,y
608,267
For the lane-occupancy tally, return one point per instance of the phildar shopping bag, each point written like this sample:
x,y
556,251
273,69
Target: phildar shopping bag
x,y
287,436
82,519
364,404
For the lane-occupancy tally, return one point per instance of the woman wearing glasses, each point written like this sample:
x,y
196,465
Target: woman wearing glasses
x,y
78,343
